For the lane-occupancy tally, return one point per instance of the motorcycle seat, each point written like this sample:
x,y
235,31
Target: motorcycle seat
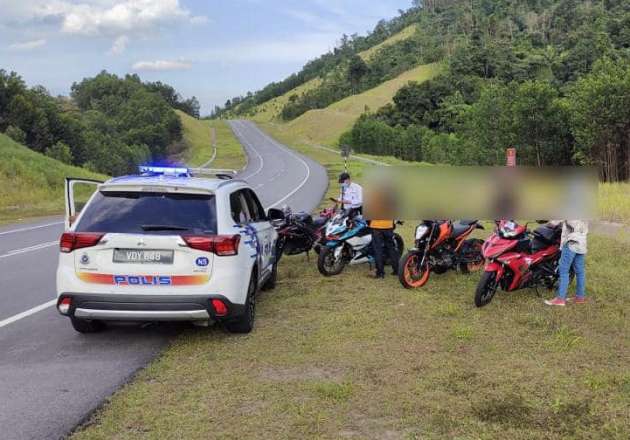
x,y
459,228
320,221
467,222
547,234
303,217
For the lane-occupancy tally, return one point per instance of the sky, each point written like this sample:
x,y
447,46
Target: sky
x,y
212,49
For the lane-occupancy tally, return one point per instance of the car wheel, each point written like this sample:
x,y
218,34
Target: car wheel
x,y
272,280
87,326
245,322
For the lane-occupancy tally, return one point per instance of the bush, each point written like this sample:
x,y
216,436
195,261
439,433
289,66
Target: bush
x,y
61,152
16,133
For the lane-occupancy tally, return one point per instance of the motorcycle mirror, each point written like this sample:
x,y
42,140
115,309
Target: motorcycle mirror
x,y
275,214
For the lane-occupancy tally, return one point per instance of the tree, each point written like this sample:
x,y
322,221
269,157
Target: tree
x,y
537,122
600,113
357,69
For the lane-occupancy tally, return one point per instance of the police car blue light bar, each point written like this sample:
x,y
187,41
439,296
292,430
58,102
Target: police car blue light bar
x,y
167,171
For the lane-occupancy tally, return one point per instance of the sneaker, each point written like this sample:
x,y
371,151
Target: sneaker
x,y
556,302
579,300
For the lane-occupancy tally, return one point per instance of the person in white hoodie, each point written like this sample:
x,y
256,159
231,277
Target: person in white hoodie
x,y
573,246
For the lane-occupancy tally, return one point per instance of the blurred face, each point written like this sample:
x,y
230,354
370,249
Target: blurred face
x,y
345,183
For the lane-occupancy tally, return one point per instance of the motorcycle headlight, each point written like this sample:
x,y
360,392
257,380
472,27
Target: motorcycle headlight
x,y
421,230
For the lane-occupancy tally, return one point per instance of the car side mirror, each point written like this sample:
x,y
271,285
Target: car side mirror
x,y
275,214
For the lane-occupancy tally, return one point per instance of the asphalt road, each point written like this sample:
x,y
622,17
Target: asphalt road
x,y
52,378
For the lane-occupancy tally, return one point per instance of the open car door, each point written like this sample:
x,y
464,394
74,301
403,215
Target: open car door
x,y
77,192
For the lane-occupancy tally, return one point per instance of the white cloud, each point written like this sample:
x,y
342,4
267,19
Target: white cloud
x,y
119,46
161,65
100,17
27,45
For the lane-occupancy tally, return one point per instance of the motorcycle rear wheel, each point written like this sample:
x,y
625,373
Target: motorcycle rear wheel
x,y
473,251
327,264
486,288
410,275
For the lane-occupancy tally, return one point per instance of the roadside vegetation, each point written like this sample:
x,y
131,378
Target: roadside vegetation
x,y
109,124
199,137
31,184
351,357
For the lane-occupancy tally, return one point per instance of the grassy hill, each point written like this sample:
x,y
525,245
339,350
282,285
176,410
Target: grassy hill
x,y
31,184
270,110
199,136
400,36
324,126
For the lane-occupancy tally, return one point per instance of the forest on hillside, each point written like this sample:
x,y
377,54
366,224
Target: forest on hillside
x,y
549,77
108,124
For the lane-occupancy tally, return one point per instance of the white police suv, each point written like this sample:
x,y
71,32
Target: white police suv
x,y
164,246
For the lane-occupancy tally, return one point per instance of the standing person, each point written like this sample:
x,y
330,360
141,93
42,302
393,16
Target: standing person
x,y
383,242
573,245
351,196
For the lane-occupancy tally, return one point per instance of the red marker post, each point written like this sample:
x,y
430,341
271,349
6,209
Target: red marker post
x,y
510,154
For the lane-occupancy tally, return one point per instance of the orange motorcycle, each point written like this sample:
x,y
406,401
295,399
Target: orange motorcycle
x,y
441,245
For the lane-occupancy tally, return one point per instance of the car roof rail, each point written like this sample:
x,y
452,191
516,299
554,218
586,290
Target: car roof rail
x,y
223,174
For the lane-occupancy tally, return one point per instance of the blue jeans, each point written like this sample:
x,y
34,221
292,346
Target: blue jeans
x,y
569,258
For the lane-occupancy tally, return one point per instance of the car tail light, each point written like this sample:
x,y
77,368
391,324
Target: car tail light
x,y
220,309
76,240
64,305
221,245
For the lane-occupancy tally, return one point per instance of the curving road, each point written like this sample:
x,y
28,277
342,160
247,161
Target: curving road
x,y
51,377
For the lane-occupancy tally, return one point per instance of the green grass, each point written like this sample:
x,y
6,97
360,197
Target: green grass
x,y
31,184
324,126
614,202
198,138
351,357
405,34
270,110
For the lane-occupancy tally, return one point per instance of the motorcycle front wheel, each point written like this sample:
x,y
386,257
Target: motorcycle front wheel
x,y
486,289
410,274
328,264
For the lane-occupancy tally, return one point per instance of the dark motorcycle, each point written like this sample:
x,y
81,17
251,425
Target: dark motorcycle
x,y
441,246
298,233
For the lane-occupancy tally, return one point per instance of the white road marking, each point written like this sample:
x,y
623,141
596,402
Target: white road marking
x,y
308,174
30,228
28,312
262,162
35,247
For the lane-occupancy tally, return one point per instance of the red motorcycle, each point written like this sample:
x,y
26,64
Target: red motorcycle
x,y
518,259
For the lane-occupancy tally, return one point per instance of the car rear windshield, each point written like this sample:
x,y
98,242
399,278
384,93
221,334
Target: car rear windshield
x,y
150,213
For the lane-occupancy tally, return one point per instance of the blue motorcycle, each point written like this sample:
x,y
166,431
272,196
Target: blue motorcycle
x,y
348,241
